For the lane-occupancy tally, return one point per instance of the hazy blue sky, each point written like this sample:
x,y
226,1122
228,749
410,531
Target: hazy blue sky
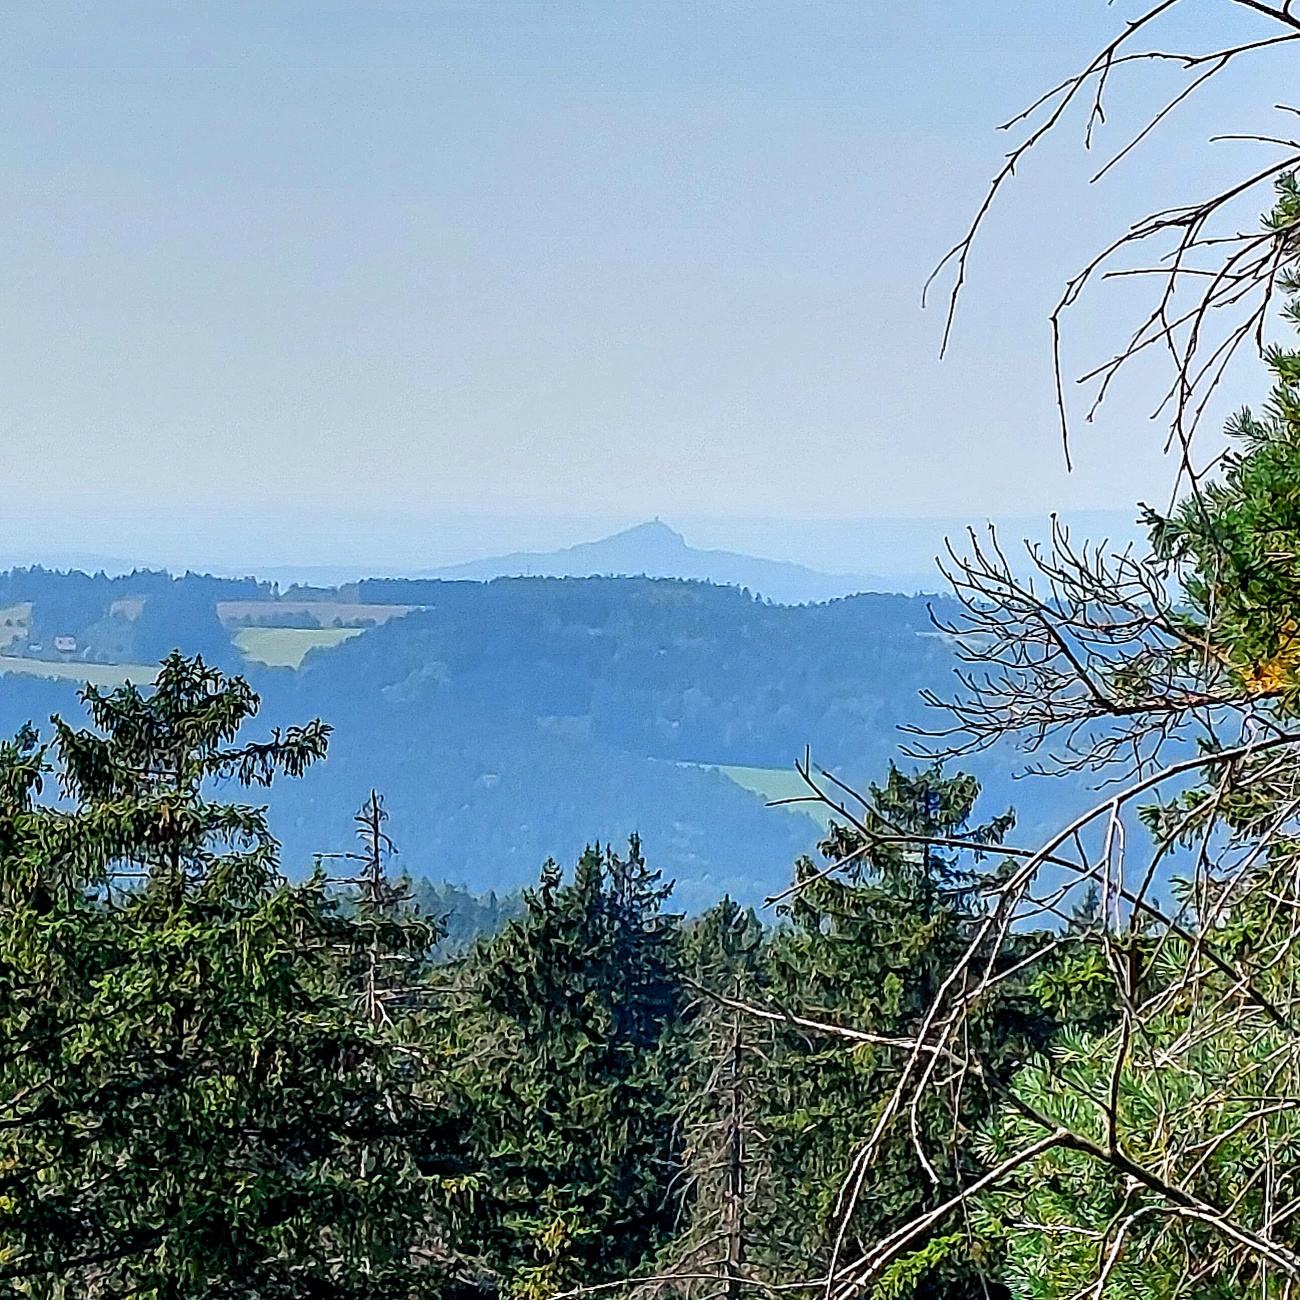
x,y
270,270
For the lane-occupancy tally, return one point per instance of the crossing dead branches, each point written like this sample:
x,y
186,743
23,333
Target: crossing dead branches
x,y
1211,273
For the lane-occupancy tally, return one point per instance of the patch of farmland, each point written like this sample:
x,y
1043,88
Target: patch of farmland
x,y
107,676
771,783
287,647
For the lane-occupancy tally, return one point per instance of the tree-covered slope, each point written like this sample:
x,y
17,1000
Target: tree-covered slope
x,y
519,719
522,718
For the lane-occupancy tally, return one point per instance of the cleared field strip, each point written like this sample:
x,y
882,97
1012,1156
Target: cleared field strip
x,y
105,675
778,783
287,647
772,783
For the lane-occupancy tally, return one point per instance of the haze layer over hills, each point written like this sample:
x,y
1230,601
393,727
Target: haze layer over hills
x,y
518,719
654,550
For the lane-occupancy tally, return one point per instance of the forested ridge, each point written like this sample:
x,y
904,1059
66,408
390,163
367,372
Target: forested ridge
x,y
518,719
532,715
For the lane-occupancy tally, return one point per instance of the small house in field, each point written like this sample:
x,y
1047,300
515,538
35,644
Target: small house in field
x,y
65,645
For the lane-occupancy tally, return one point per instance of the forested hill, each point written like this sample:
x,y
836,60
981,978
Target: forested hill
x,y
524,717
674,670
518,719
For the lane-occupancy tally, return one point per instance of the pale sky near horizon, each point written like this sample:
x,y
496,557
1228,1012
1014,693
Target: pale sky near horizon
x,y
518,259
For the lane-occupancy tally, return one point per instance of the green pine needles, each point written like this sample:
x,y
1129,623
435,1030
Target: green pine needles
x,y
190,1104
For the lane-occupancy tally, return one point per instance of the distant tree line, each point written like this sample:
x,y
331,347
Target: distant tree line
x,y
166,612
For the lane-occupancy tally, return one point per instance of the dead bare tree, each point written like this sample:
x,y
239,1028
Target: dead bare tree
x,y
396,939
1089,658
711,1259
1180,1118
1213,270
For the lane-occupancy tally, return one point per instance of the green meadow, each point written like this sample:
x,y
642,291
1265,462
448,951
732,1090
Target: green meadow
x,y
108,676
287,647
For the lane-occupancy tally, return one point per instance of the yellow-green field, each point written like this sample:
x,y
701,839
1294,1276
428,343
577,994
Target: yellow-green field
x,y
276,647
105,675
287,647
771,783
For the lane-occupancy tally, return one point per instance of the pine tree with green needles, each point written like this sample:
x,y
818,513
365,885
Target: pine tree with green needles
x,y
866,949
560,1028
190,1103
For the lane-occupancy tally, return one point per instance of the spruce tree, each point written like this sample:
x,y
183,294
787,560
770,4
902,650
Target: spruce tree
x,y
190,1105
867,948
558,1026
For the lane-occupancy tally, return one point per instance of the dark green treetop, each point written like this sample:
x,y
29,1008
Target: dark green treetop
x,y
559,1022
190,1104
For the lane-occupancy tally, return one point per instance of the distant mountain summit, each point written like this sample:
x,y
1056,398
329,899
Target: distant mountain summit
x,y
654,550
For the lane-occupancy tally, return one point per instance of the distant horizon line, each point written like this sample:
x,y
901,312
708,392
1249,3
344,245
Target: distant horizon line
x,y
900,551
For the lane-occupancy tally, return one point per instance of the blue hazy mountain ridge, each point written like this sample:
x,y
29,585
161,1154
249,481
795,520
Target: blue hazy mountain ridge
x,y
655,550
297,545
519,719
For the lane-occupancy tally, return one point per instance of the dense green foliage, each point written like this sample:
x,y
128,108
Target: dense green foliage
x,y
191,1103
863,950
222,1084
559,1024
870,951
